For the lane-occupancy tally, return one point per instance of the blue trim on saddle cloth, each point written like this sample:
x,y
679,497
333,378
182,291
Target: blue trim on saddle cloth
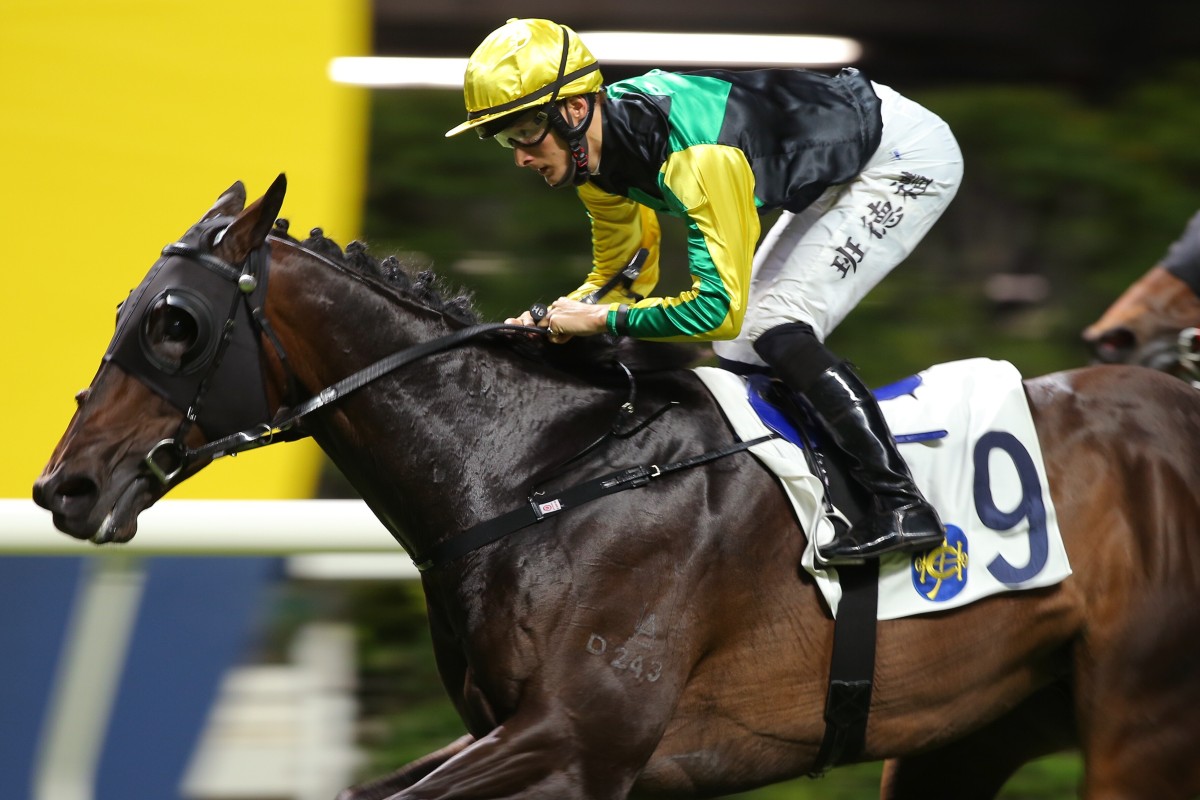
x,y
777,420
898,389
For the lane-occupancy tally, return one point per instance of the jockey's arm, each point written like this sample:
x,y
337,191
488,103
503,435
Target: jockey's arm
x,y
620,227
711,188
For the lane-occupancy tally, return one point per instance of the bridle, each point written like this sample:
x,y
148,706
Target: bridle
x,y
1188,348
170,458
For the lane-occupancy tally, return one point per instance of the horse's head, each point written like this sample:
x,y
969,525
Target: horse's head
x,y
183,334
1143,326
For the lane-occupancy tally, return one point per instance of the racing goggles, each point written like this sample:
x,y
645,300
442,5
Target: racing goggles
x,y
526,132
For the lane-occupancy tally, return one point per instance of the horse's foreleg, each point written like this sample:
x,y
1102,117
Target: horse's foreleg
x,y
406,776
531,758
977,766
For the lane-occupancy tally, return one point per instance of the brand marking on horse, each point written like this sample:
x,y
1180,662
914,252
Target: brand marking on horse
x,y
637,665
631,657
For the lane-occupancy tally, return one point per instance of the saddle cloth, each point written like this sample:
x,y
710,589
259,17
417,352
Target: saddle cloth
x,y
965,430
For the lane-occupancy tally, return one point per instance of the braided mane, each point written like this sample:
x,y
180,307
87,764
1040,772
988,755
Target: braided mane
x,y
596,356
424,287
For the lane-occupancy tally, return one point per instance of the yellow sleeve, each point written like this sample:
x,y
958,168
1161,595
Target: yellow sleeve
x,y
712,188
620,227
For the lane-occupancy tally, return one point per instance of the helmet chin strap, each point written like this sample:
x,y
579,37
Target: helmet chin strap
x,y
576,139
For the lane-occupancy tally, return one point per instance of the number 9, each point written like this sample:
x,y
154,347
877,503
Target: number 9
x,y
1030,508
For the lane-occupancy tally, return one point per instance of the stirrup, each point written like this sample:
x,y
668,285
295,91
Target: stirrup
x,y
841,526
894,541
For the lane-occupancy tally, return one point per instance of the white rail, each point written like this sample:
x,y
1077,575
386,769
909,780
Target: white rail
x,y
324,538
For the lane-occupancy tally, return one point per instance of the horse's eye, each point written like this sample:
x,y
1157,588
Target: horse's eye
x,y
175,332
179,327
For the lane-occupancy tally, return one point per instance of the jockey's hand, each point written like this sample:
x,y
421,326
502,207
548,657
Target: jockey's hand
x,y
568,318
525,319
533,318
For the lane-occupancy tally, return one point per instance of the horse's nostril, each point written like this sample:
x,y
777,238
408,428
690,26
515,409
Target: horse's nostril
x,y
1120,338
1114,345
75,494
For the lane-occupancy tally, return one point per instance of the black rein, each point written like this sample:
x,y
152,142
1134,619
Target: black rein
x,y
285,428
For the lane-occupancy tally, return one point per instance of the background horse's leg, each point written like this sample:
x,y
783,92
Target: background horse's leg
x,y
1143,733
977,766
406,776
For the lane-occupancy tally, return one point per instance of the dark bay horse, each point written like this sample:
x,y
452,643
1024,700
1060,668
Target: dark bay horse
x,y
658,642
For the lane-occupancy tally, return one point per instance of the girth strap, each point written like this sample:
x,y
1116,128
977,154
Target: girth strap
x,y
538,509
852,667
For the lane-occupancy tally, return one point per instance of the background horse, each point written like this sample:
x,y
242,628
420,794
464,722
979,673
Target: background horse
x,y
657,642
1153,322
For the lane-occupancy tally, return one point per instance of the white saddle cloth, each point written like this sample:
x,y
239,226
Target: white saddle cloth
x,y
985,476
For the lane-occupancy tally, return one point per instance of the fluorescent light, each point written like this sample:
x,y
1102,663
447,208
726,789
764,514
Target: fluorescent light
x,y
658,49
720,49
394,72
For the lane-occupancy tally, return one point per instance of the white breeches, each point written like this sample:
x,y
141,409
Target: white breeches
x,y
816,265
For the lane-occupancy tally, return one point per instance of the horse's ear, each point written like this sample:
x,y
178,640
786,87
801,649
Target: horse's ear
x,y
229,204
250,229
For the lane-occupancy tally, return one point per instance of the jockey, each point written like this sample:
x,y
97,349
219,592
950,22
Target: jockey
x,y
860,173
1183,257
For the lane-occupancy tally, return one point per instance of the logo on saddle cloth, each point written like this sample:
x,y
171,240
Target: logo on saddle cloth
x,y
941,573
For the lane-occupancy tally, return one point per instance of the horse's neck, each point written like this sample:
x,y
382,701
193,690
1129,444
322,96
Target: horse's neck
x,y
455,440
441,443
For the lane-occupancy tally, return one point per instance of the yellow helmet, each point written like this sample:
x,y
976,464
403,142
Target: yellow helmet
x,y
523,64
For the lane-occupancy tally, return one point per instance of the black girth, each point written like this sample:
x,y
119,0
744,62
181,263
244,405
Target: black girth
x,y
540,507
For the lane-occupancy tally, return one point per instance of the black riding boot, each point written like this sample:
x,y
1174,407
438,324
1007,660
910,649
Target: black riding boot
x,y
900,518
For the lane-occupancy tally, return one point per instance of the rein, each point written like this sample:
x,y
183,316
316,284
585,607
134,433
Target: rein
x,y
285,425
287,419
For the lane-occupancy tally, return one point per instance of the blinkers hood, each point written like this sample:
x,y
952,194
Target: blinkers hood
x,y
220,368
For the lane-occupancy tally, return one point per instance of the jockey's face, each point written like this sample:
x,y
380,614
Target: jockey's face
x,y
537,147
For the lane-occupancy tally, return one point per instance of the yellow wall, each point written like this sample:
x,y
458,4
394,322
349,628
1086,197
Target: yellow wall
x,y
120,124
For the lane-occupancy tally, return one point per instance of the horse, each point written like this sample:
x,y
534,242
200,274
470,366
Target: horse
x,y
1154,323
660,641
